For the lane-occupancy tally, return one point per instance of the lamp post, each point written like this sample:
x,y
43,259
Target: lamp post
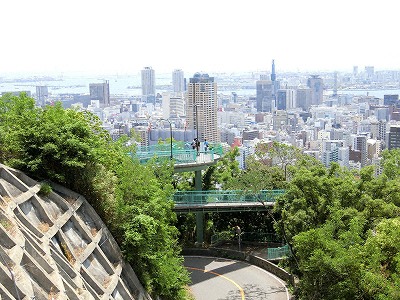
x,y
238,232
170,134
197,128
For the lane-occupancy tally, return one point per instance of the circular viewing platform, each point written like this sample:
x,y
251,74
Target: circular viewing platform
x,y
184,157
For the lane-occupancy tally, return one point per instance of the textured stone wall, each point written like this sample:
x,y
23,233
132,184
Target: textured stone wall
x,y
56,246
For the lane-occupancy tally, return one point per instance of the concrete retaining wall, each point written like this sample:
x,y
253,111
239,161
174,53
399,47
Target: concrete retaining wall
x,y
252,259
57,247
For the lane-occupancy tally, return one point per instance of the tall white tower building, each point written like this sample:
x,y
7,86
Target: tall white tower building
x,y
316,84
202,106
42,93
148,84
178,81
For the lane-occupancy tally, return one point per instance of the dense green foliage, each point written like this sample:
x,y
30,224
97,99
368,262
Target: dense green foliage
x,y
71,148
344,231
342,226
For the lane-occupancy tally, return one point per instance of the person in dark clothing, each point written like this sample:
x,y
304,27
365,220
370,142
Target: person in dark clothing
x,y
194,143
197,146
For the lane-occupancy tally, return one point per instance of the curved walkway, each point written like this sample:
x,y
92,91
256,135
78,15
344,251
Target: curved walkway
x,y
224,279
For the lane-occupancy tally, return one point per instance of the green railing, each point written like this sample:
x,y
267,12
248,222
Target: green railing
x,y
181,152
215,147
280,252
225,196
260,237
179,156
249,237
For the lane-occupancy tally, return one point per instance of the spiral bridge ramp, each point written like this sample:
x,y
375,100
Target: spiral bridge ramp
x,y
56,246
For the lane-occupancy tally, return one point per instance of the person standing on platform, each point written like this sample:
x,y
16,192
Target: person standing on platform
x,y
197,146
194,143
205,145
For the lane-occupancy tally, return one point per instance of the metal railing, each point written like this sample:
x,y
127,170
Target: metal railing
x,y
215,147
181,153
250,237
225,196
260,237
280,252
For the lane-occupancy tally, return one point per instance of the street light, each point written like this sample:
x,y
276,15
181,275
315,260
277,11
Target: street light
x,y
197,128
238,232
170,134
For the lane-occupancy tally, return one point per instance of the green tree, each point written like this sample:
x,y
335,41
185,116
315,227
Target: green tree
x,y
279,154
381,277
71,148
330,258
257,176
391,163
146,228
220,174
16,113
332,218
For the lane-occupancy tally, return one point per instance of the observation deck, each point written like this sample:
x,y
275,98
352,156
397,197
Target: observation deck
x,y
184,157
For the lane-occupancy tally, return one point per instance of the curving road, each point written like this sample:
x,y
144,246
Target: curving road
x,y
224,279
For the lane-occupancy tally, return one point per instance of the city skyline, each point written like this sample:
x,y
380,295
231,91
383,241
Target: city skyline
x,y
124,36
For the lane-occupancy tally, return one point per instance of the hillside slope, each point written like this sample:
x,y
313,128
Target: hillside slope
x,y
56,247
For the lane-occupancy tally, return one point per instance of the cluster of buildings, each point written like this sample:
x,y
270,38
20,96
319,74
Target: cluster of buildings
x,y
303,110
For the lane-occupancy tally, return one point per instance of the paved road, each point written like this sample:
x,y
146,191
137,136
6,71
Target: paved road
x,y
224,279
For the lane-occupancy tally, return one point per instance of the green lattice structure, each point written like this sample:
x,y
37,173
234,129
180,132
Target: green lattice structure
x,y
280,252
181,152
252,237
225,196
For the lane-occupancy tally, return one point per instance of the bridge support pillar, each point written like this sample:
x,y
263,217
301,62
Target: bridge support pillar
x,y
198,185
199,215
199,228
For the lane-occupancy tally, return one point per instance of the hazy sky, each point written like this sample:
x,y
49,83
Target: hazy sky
x,y
120,36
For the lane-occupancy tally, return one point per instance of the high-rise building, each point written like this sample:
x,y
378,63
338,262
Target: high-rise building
x,y
285,99
202,106
177,105
394,137
374,148
315,83
42,93
360,144
148,78
275,85
266,92
281,100
178,81
378,130
264,89
370,72
101,92
303,98
343,156
391,100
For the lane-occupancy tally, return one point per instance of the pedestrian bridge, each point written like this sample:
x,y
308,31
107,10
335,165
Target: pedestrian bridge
x,y
186,159
224,200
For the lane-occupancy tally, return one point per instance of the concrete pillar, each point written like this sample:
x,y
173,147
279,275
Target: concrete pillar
x,y
199,215
197,180
199,228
